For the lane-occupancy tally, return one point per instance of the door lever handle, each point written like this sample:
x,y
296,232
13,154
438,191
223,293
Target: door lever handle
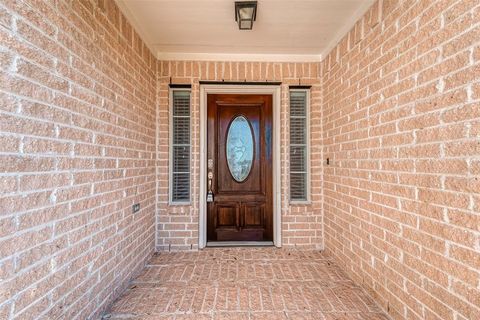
x,y
210,192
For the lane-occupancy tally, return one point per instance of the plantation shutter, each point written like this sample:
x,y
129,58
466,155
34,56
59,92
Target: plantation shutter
x,y
298,146
180,177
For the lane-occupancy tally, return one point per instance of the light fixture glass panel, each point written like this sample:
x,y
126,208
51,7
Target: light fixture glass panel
x,y
246,13
246,24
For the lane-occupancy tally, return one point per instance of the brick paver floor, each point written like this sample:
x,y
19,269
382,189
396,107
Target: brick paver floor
x,y
244,283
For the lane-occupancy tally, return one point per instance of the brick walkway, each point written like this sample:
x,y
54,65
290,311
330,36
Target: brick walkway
x,y
244,283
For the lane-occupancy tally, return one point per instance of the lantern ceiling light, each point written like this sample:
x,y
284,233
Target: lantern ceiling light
x,y
245,14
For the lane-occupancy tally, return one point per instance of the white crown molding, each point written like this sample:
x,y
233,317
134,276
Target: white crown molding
x,y
347,26
241,57
147,39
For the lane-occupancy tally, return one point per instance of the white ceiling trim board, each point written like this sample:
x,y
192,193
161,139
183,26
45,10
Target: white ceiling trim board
x,y
240,57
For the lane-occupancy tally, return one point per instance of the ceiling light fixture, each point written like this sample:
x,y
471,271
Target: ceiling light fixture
x,y
245,14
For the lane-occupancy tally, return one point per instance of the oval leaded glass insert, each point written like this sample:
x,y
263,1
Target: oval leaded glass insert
x,y
240,148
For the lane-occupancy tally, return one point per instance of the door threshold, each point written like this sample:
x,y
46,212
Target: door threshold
x,y
240,244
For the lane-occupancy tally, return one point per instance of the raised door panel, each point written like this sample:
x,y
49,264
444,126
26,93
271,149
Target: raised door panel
x,y
227,215
253,215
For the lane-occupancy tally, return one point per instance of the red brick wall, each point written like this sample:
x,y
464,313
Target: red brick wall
x,y
178,225
402,130
77,149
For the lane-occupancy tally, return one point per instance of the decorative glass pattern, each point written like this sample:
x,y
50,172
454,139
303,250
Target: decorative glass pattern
x,y
240,148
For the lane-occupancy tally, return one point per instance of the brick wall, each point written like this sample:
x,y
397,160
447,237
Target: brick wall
x,y
402,129
84,135
177,226
77,149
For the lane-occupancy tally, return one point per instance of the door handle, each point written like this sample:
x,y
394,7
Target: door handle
x,y
210,192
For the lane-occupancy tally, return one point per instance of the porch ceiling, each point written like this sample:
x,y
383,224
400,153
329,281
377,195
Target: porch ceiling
x,y
284,30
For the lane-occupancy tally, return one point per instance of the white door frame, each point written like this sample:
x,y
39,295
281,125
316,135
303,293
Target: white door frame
x,y
273,90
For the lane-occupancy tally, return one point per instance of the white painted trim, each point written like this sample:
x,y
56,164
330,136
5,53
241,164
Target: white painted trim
x,y
365,5
275,91
239,243
240,57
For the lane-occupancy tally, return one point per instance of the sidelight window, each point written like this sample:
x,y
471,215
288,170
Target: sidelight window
x,y
180,146
299,145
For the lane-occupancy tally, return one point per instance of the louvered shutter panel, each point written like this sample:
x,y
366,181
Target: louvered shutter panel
x,y
298,146
180,179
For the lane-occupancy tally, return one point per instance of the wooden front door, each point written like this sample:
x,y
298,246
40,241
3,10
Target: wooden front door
x,y
240,167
